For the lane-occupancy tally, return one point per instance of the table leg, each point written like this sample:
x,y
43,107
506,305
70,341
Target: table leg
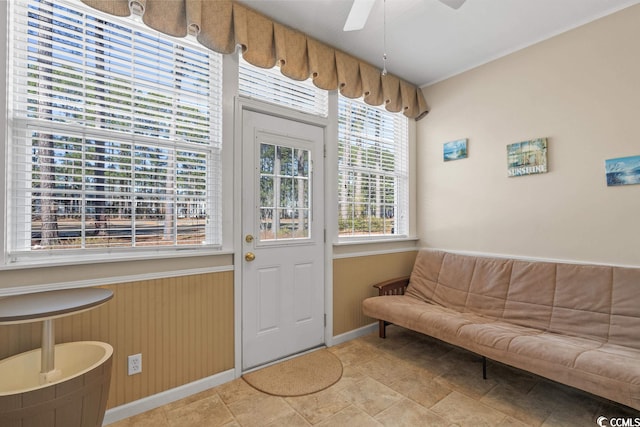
x,y
48,344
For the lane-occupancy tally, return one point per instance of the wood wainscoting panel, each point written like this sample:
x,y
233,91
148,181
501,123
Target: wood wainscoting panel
x,y
353,278
182,326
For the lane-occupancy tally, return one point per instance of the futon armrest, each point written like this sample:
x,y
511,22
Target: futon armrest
x,y
392,287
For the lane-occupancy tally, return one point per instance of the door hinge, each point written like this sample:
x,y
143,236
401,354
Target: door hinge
x,y
325,320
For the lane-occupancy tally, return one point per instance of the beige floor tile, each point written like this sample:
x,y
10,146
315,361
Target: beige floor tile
x,y
350,376
513,378
408,413
319,406
154,418
528,409
396,338
288,420
424,347
354,352
465,411
387,369
512,422
350,416
371,396
567,400
260,410
467,379
209,411
422,389
189,399
452,360
236,390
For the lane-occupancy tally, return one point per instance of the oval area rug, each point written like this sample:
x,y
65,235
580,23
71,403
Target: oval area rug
x,y
301,375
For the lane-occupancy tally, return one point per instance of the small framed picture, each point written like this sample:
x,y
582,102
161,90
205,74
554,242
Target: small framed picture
x,y
623,171
455,150
527,157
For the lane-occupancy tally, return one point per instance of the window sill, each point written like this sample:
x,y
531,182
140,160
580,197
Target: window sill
x,y
369,246
350,241
26,260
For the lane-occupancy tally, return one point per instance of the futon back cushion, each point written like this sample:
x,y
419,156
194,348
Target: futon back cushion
x,y
424,276
582,301
590,301
531,293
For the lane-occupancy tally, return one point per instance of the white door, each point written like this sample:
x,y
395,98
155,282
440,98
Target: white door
x,y
283,238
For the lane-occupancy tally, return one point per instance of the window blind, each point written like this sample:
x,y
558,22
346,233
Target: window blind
x,y
115,133
271,86
373,176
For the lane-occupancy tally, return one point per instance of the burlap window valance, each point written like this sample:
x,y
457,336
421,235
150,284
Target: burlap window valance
x,y
221,25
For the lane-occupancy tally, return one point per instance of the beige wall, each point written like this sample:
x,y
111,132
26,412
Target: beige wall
x,y
581,90
353,280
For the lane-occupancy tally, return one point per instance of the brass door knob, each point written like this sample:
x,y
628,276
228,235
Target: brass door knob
x,y
249,256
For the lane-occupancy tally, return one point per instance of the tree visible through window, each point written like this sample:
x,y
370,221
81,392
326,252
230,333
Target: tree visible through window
x,y
372,171
115,133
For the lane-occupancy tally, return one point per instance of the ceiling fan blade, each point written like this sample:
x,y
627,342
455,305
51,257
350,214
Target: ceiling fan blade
x,y
358,15
454,4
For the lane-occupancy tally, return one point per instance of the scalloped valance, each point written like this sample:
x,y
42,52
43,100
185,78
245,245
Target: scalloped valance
x,y
221,25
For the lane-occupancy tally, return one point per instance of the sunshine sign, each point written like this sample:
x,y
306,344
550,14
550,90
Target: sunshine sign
x,y
527,157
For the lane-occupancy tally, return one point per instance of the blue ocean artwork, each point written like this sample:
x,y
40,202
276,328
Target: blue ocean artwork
x,y
623,171
455,150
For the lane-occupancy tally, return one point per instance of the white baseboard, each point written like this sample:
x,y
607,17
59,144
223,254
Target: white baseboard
x,y
151,402
356,333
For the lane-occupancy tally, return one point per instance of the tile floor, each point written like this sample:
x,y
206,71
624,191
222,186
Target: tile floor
x,y
406,380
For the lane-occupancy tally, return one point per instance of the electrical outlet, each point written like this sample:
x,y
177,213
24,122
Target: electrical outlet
x,y
134,364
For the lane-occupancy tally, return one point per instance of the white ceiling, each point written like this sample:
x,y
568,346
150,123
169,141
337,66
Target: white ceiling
x,y
427,41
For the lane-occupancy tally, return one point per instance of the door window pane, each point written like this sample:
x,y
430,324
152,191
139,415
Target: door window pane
x,y
284,192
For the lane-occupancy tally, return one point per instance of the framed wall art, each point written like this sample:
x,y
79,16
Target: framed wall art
x,y
455,150
527,157
623,171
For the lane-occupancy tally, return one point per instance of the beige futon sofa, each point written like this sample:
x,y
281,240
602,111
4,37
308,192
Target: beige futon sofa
x,y
573,323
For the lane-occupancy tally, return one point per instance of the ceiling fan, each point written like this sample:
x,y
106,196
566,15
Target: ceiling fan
x,y
360,12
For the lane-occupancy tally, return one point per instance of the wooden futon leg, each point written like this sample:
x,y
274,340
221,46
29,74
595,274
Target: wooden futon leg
x,y
484,368
382,328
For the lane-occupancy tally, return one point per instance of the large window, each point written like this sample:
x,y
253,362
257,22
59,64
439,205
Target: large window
x,y
373,179
115,134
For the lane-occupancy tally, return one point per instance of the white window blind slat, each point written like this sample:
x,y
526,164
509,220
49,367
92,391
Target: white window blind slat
x,y
116,133
271,86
